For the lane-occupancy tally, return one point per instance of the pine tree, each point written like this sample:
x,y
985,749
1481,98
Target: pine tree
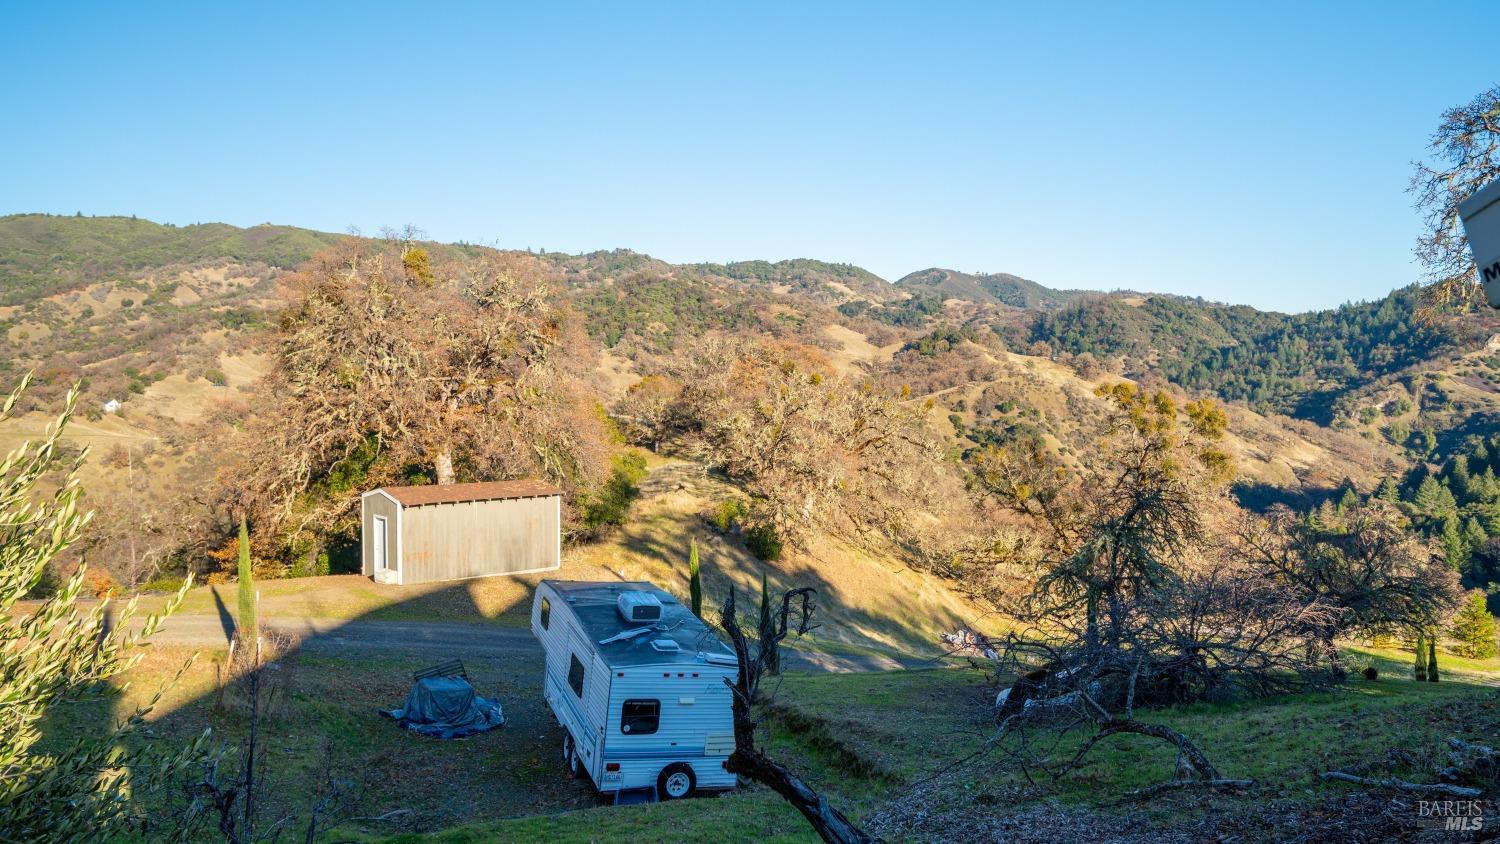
x,y
1487,488
1388,491
1474,537
1455,549
1421,661
1459,478
247,621
1349,500
695,580
1429,496
1432,672
1474,628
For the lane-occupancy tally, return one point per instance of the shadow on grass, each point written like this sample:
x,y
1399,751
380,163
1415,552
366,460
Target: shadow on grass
x,y
226,621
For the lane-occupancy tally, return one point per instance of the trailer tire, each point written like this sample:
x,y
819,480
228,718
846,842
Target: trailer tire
x,y
570,756
676,781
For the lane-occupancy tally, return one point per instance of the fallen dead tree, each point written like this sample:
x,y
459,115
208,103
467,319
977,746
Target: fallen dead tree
x,y
1215,632
1030,735
1468,762
1402,785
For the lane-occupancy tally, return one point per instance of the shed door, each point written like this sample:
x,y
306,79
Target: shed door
x,y
380,544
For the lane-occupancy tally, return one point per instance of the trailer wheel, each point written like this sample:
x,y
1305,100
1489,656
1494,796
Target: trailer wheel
x,y
570,755
676,781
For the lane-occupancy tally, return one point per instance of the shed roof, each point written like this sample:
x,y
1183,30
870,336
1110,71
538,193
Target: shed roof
x,y
594,605
416,496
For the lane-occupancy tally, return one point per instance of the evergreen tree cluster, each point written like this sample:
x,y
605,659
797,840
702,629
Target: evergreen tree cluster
x,y
1459,504
1295,364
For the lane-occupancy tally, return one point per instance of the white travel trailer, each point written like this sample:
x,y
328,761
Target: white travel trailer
x,y
638,683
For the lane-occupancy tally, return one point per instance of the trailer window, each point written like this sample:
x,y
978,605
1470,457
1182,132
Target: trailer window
x,y
546,612
575,675
640,717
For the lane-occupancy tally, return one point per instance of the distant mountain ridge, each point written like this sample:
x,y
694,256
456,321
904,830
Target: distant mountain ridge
x,y
68,284
987,289
42,254
163,316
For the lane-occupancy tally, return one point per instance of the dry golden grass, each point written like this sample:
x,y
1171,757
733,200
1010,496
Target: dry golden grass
x,y
854,348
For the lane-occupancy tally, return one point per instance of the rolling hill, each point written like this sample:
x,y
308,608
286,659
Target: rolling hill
x,y
988,289
173,322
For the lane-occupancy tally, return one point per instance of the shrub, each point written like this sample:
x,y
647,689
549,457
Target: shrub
x,y
215,377
163,583
98,582
1371,673
608,505
763,542
728,512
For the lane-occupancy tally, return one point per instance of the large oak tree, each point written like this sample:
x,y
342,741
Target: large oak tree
x,y
392,365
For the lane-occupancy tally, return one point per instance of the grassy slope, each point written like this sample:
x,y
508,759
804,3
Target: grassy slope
x,y
859,738
865,738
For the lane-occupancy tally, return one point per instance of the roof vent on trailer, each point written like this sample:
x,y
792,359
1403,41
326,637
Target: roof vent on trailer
x,y
639,607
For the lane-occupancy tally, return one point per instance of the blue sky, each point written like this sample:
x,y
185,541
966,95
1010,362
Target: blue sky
x,y
1246,153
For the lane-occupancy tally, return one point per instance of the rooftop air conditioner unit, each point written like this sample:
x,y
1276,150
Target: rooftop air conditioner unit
x,y
639,607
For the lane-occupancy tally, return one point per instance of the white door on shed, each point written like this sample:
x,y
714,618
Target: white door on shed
x,y
379,552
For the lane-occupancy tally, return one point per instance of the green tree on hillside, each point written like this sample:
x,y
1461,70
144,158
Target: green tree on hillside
x,y
1474,628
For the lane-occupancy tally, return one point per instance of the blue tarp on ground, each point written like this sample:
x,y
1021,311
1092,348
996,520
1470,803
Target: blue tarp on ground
x,y
446,708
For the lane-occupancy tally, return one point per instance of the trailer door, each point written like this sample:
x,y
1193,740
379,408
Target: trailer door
x,y
588,681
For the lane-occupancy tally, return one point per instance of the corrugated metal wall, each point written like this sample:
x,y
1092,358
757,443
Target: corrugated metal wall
x,y
372,506
478,538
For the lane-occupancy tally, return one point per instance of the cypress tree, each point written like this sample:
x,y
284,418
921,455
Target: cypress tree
x,y
767,631
1432,672
695,580
247,621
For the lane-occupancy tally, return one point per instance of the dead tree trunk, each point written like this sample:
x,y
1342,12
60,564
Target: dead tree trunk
x,y
829,822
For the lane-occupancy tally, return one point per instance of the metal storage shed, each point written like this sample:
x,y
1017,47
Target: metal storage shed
x,y
421,534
